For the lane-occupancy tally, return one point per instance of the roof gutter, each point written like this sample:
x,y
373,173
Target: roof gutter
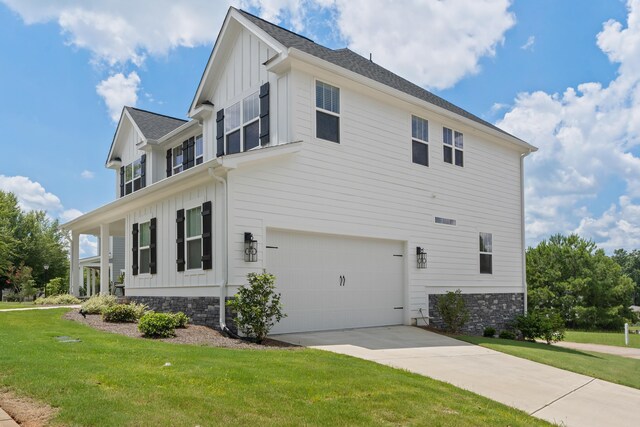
x,y
522,233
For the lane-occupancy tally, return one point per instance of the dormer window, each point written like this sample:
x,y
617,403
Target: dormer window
x,y
132,176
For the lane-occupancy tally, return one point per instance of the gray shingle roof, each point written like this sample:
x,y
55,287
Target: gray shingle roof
x,y
154,125
351,61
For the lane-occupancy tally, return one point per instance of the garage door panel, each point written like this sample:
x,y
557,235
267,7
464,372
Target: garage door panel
x,y
308,267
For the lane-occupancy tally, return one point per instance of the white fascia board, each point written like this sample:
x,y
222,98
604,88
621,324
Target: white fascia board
x,y
218,50
336,69
124,114
197,175
202,112
187,127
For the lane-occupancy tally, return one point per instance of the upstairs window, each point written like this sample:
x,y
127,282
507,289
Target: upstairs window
x,y
194,238
128,178
185,155
486,249
132,176
199,150
453,145
177,159
327,112
242,124
419,140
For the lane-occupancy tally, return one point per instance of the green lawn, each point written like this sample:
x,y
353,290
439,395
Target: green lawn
x,y
607,367
605,338
4,305
112,380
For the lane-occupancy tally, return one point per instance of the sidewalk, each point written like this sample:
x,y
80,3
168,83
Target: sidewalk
x,y
6,420
48,307
633,353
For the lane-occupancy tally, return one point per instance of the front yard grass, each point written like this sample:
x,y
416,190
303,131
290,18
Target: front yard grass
x,y
604,338
4,304
112,380
616,369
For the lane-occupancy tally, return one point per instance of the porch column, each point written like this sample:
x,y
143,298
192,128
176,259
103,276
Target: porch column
x,y
74,270
93,281
104,259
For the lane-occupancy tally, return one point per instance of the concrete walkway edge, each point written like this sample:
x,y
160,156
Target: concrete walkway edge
x,y
47,307
6,420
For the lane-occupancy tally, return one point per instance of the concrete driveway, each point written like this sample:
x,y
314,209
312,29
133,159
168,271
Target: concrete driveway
x,y
543,391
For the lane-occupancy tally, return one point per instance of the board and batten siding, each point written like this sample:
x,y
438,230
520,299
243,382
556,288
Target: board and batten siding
x,y
168,281
368,186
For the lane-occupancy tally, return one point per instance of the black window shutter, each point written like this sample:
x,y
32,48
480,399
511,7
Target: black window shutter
x,y
134,249
220,133
169,162
191,152
185,155
264,114
180,239
122,181
152,246
207,259
143,171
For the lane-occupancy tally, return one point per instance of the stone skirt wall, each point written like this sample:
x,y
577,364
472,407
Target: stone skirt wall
x,y
201,310
495,310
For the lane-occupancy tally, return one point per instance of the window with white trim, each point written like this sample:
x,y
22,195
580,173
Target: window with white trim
x,y
177,159
242,124
486,250
420,140
452,147
199,150
193,238
133,176
144,247
327,112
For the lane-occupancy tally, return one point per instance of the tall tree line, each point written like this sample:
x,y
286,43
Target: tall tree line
x,y
29,241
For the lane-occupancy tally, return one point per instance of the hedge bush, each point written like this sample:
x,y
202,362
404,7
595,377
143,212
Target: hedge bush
x,y
57,300
180,319
453,310
97,303
489,332
123,313
157,325
546,325
507,335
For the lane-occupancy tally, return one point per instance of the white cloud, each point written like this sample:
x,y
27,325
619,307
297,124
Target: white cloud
x,y
118,91
588,138
70,214
87,174
528,45
31,195
88,246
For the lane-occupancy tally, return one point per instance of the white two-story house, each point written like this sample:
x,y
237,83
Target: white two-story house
x,y
366,196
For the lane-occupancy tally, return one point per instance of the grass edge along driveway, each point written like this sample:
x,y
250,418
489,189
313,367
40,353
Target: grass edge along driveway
x,y
616,369
112,380
615,339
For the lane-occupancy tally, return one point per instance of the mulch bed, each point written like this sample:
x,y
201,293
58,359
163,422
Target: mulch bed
x,y
192,334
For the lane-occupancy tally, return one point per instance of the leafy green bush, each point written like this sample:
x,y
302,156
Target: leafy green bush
x,y
507,335
97,303
180,319
453,310
257,306
489,332
64,299
546,325
123,313
57,286
157,325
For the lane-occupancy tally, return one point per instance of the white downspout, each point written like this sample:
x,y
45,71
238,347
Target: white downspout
x,y
225,281
522,233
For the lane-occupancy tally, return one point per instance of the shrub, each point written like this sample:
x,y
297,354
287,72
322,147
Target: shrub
x,y
123,313
546,325
453,310
57,286
489,332
157,325
64,299
507,335
257,306
180,319
97,303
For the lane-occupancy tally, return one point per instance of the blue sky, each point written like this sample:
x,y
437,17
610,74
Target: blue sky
x,y
563,75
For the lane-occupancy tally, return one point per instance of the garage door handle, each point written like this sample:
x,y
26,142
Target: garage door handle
x,y
342,279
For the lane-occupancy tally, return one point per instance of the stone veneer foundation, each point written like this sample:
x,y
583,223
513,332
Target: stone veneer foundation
x,y
495,310
201,310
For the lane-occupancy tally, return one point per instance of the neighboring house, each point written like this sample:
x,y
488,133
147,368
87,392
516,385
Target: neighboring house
x,y
367,196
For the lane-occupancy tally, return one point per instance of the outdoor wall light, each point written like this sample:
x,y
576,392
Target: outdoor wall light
x,y
422,257
250,248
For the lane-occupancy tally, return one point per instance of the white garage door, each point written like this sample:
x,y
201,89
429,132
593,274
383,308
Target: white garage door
x,y
335,282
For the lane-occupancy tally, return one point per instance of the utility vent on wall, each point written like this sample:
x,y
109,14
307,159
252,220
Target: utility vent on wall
x,y
445,221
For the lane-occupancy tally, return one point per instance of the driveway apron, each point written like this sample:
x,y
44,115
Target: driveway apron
x,y
543,391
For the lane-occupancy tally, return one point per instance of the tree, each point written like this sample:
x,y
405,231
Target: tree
x,y
453,310
630,264
572,277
